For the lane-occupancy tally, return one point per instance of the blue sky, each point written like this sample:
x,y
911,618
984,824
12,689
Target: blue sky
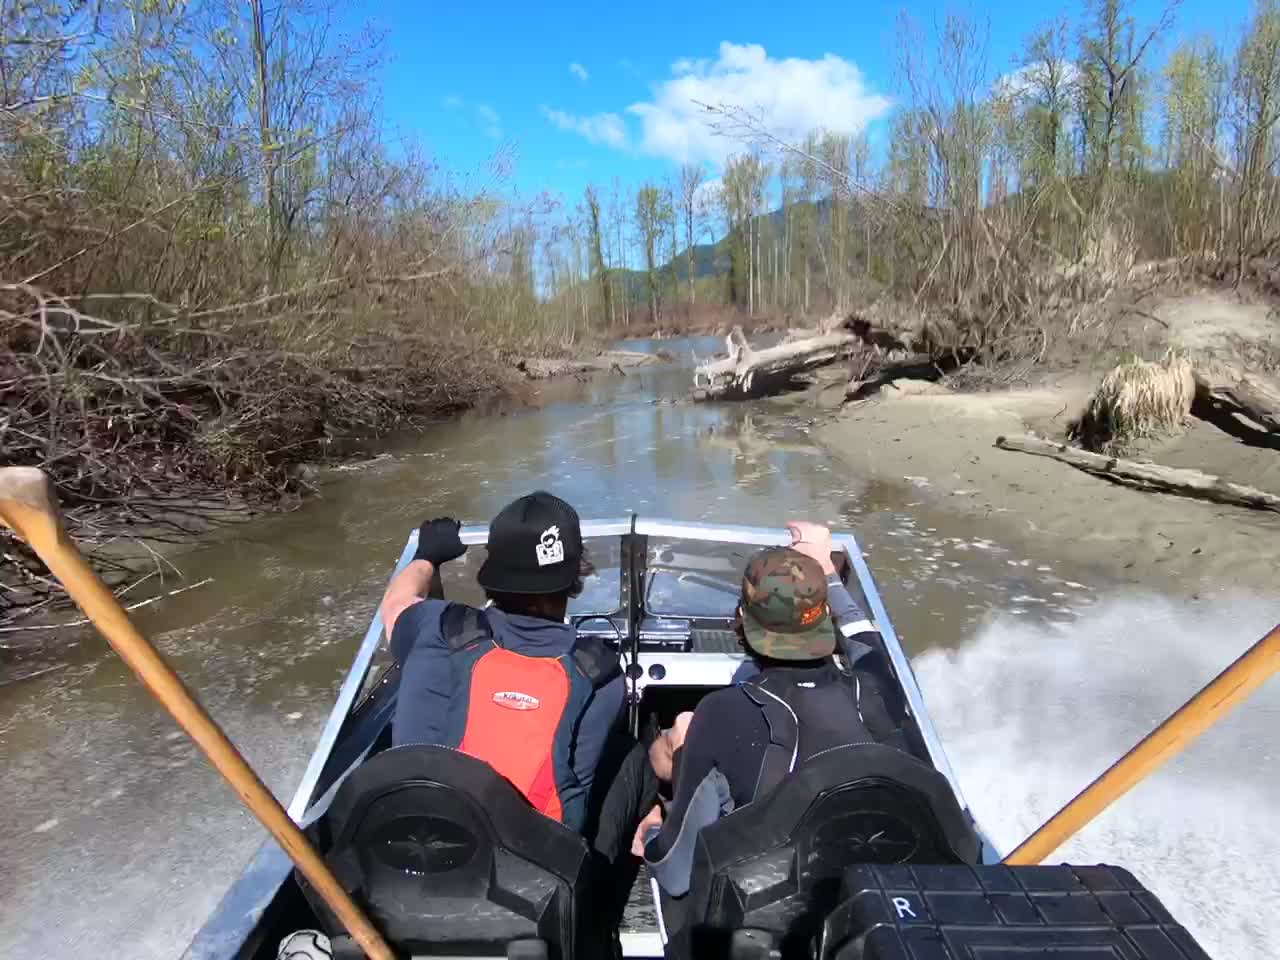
x,y
586,92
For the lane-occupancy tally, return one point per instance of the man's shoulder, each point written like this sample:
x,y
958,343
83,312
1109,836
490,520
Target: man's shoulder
x,y
420,624
723,702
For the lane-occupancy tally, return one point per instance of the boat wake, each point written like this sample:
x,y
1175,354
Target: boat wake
x,y
1029,714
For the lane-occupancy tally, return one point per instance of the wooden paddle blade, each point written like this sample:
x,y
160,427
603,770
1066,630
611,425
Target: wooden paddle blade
x,y
1216,698
29,505
28,486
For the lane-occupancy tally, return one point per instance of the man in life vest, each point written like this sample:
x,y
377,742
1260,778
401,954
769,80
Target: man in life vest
x,y
510,684
742,740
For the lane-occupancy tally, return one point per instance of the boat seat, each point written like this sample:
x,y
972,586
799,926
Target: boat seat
x,y
765,876
449,858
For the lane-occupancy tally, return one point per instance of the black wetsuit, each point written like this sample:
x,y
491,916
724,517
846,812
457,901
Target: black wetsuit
x,y
722,764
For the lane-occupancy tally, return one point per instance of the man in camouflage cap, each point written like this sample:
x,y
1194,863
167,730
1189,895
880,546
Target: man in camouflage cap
x,y
742,740
784,606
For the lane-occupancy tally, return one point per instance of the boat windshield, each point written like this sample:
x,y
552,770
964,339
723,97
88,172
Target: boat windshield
x,y
602,591
682,577
694,578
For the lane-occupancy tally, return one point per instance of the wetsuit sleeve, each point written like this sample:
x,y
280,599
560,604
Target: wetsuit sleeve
x,y
425,681
861,644
883,715
416,620
849,617
701,797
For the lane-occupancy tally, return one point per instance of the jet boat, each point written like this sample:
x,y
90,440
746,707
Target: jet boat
x,y
871,852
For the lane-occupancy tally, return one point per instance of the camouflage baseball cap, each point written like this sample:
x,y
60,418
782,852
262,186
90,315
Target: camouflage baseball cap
x,y
784,606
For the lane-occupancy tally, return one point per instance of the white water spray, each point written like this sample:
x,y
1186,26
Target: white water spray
x,y
1031,714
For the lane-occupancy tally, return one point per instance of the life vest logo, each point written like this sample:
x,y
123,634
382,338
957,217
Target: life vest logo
x,y
514,700
549,549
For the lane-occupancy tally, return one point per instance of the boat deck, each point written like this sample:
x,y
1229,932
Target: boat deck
x,y
639,929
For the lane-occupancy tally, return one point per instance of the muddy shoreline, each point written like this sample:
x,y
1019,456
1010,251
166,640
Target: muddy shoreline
x,y
938,438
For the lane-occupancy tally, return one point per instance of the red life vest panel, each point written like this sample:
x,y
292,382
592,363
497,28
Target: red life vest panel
x,y
516,705
518,712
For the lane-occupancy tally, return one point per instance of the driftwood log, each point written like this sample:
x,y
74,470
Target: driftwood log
x,y
746,372
1241,393
1149,476
880,370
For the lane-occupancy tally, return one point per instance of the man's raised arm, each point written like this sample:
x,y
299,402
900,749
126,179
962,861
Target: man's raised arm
x,y
814,540
438,543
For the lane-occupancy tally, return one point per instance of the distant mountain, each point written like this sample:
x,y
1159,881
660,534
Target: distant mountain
x,y
712,259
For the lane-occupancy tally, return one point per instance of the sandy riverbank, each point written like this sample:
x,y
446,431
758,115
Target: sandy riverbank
x,y
943,444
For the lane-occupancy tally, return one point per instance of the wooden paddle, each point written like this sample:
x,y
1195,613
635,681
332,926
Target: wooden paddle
x,y
1186,723
29,507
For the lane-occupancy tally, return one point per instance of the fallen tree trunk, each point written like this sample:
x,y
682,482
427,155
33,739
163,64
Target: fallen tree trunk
x,y
747,373
1250,396
880,371
1150,476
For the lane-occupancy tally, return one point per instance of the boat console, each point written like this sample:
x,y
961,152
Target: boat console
x,y
996,913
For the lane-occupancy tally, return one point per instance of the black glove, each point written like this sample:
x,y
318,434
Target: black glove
x,y
438,541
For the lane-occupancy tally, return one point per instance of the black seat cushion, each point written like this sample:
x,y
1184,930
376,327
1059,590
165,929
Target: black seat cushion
x,y
776,864
447,855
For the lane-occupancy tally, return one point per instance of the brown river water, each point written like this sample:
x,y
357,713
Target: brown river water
x,y
116,839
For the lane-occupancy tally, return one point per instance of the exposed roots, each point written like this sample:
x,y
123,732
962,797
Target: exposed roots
x,y
155,430
1137,400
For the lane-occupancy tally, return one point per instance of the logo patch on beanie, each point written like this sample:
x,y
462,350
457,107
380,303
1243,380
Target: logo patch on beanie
x,y
550,550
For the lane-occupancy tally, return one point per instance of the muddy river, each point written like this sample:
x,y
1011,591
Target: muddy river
x,y
116,839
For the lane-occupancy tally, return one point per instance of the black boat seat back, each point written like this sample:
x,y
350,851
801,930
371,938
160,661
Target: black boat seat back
x,y
775,865
449,858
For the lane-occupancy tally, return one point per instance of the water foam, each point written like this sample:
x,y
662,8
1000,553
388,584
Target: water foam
x,y
1029,714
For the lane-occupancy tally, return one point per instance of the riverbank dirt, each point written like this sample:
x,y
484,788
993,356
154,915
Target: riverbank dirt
x,y
942,442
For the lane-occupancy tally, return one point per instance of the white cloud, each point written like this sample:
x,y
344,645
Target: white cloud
x,y
790,96
1032,78
579,71
608,129
452,102
490,120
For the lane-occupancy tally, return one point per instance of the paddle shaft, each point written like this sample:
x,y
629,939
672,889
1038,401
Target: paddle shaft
x,y
1186,723
41,528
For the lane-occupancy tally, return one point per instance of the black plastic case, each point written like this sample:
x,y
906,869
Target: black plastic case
x,y
1001,913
